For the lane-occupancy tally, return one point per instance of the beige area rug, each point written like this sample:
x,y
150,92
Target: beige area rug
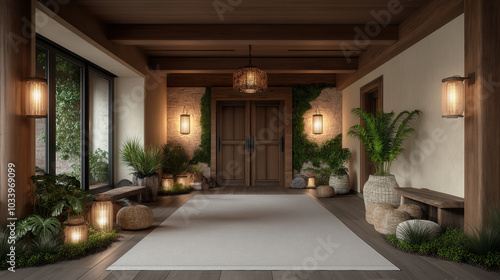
x,y
252,232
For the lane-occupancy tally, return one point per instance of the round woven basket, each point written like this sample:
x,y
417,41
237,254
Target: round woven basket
x,y
388,220
381,189
134,217
413,210
340,184
374,210
325,191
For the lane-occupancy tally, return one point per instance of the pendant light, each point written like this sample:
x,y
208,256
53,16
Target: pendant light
x,y
250,79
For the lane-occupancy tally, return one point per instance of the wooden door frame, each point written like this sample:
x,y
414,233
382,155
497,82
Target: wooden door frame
x,y
273,93
378,85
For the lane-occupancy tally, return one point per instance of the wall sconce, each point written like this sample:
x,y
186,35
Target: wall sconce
x,y
311,182
167,183
102,216
76,230
317,122
185,122
453,96
36,92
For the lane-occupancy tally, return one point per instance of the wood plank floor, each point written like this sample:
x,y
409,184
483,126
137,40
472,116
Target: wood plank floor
x,y
348,208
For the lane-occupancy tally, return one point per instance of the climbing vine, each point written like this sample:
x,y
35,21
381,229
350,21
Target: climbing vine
x,y
202,154
303,149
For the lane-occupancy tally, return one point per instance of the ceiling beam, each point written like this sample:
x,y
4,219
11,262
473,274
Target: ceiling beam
x,y
226,80
146,34
271,65
430,17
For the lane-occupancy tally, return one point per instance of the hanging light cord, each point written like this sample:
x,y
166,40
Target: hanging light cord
x,y
250,54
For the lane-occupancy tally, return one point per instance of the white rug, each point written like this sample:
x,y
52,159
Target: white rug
x,y
252,232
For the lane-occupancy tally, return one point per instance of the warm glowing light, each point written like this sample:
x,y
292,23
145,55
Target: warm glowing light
x,y
317,122
102,216
184,180
311,182
250,79
185,122
452,102
167,183
36,92
75,230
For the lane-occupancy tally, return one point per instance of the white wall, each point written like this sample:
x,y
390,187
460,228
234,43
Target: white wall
x,y
128,119
434,157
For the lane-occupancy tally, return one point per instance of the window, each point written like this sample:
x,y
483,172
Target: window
x,y
76,138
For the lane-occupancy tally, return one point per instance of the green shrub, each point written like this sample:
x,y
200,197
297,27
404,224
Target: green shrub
x,y
203,154
416,234
332,153
176,189
4,241
486,239
47,244
38,226
176,160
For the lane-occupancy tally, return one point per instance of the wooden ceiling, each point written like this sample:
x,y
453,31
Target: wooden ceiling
x,y
189,37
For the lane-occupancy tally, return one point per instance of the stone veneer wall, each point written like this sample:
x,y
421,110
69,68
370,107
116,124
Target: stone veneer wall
x,y
329,103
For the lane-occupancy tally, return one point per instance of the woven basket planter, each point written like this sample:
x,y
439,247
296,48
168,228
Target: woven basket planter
x,y
380,189
413,210
340,184
375,209
152,184
388,220
134,217
325,191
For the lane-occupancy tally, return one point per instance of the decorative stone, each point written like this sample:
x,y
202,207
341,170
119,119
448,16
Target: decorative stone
x,y
421,225
325,191
134,217
341,184
381,189
374,210
299,182
413,210
388,220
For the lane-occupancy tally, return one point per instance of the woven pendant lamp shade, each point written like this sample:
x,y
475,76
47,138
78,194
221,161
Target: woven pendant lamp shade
x,y
250,79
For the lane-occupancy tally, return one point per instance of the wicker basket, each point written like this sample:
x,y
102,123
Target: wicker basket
x,y
325,191
381,189
388,221
340,184
413,210
134,217
373,210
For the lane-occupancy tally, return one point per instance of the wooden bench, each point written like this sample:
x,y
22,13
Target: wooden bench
x,y
446,210
121,192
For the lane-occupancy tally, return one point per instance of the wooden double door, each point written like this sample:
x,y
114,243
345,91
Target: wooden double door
x,y
250,143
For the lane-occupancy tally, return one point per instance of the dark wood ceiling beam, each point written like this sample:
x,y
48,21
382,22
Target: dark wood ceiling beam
x,y
226,80
139,34
271,65
430,17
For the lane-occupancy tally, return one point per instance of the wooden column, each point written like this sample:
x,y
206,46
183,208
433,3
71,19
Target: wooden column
x,y
482,128
17,135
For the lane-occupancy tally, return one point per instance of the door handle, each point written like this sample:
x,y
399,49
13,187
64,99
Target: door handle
x,y
252,144
282,144
247,144
218,144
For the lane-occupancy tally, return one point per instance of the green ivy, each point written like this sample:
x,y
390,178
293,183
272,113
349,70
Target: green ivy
x,y
303,149
203,154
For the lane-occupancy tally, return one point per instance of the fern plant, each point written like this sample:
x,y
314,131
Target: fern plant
x,y
145,161
383,136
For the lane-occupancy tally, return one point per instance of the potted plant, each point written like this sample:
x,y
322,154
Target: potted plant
x,y
332,154
197,177
145,161
382,136
176,160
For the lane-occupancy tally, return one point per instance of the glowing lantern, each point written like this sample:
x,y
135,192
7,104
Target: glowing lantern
x,y
102,216
75,230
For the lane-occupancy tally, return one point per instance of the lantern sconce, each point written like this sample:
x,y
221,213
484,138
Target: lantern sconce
x,y
102,216
167,183
453,95
317,122
185,122
36,93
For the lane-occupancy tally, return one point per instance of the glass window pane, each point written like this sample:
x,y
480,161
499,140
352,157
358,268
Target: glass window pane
x,y
99,129
68,125
40,124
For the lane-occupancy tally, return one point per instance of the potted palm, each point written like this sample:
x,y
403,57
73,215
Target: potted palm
x,y
145,161
382,136
336,158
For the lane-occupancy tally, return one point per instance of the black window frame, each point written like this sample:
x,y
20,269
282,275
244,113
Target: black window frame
x,y
87,67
